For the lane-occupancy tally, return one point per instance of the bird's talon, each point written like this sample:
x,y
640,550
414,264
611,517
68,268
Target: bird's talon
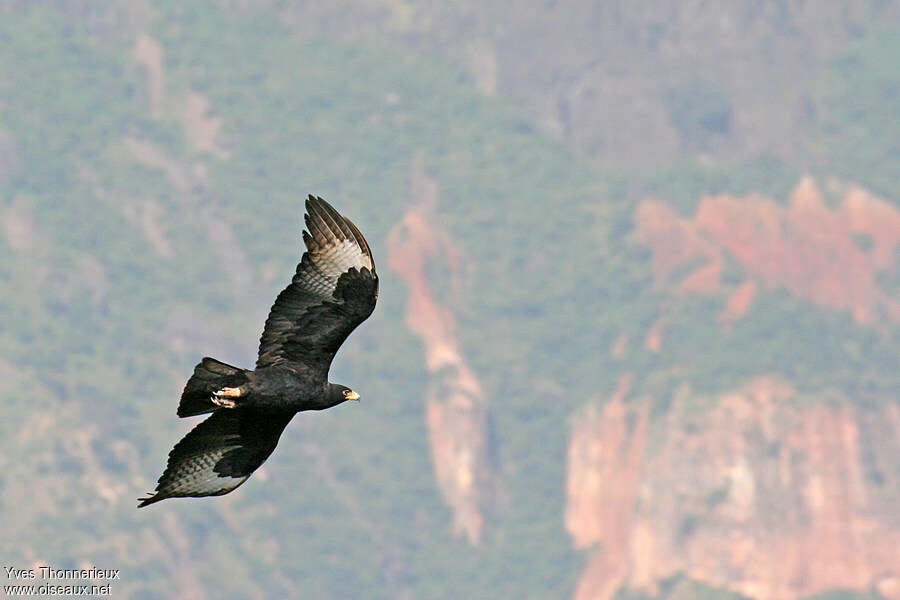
x,y
230,392
218,400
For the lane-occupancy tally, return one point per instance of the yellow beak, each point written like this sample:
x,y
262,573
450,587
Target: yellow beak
x,y
353,396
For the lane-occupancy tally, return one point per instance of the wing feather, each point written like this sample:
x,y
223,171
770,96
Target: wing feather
x,y
219,454
333,290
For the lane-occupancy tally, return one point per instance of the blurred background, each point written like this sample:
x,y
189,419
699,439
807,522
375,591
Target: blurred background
x,y
639,323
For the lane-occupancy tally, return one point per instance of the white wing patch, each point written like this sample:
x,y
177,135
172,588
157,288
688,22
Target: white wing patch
x,y
339,257
334,245
196,474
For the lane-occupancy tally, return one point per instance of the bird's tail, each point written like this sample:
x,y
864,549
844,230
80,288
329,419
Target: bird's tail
x,y
209,376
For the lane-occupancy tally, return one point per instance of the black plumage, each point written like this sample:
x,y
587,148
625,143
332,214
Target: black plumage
x,y
332,292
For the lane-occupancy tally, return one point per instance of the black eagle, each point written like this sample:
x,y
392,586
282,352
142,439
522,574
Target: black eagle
x,y
334,290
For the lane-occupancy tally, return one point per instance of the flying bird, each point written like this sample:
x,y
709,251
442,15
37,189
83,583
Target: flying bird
x,y
333,290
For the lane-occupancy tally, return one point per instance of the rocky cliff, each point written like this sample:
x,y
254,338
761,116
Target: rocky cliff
x,y
750,491
765,490
456,408
833,256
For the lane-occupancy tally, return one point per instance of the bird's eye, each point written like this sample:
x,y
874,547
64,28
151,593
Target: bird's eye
x,y
347,393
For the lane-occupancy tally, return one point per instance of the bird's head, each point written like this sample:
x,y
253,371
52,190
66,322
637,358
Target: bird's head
x,y
341,393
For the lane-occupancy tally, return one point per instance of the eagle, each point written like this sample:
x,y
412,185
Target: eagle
x,y
334,289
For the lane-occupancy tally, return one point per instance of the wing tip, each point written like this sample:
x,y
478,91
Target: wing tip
x,y
319,222
322,218
149,499
314,202
325,225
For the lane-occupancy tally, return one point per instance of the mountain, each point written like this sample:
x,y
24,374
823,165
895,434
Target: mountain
x,y
602,365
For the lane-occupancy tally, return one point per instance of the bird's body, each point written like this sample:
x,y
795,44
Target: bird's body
x,y
334,290
279,387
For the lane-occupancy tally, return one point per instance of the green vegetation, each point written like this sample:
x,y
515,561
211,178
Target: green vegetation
x,y
700,112
846,595
680,587
860,121
147,251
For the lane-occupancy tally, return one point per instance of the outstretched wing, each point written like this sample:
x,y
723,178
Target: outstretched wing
x,y
219,454
333,291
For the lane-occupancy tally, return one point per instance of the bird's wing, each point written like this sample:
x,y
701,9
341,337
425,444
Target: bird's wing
x,y
334,290
219,454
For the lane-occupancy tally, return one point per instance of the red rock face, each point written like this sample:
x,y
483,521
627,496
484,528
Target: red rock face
x,y
604,449
758,491
750,491
829,256
456,414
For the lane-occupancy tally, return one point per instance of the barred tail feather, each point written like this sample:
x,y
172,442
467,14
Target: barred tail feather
x,y
209,376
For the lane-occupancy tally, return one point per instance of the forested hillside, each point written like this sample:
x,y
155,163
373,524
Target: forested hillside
x,y
583,374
